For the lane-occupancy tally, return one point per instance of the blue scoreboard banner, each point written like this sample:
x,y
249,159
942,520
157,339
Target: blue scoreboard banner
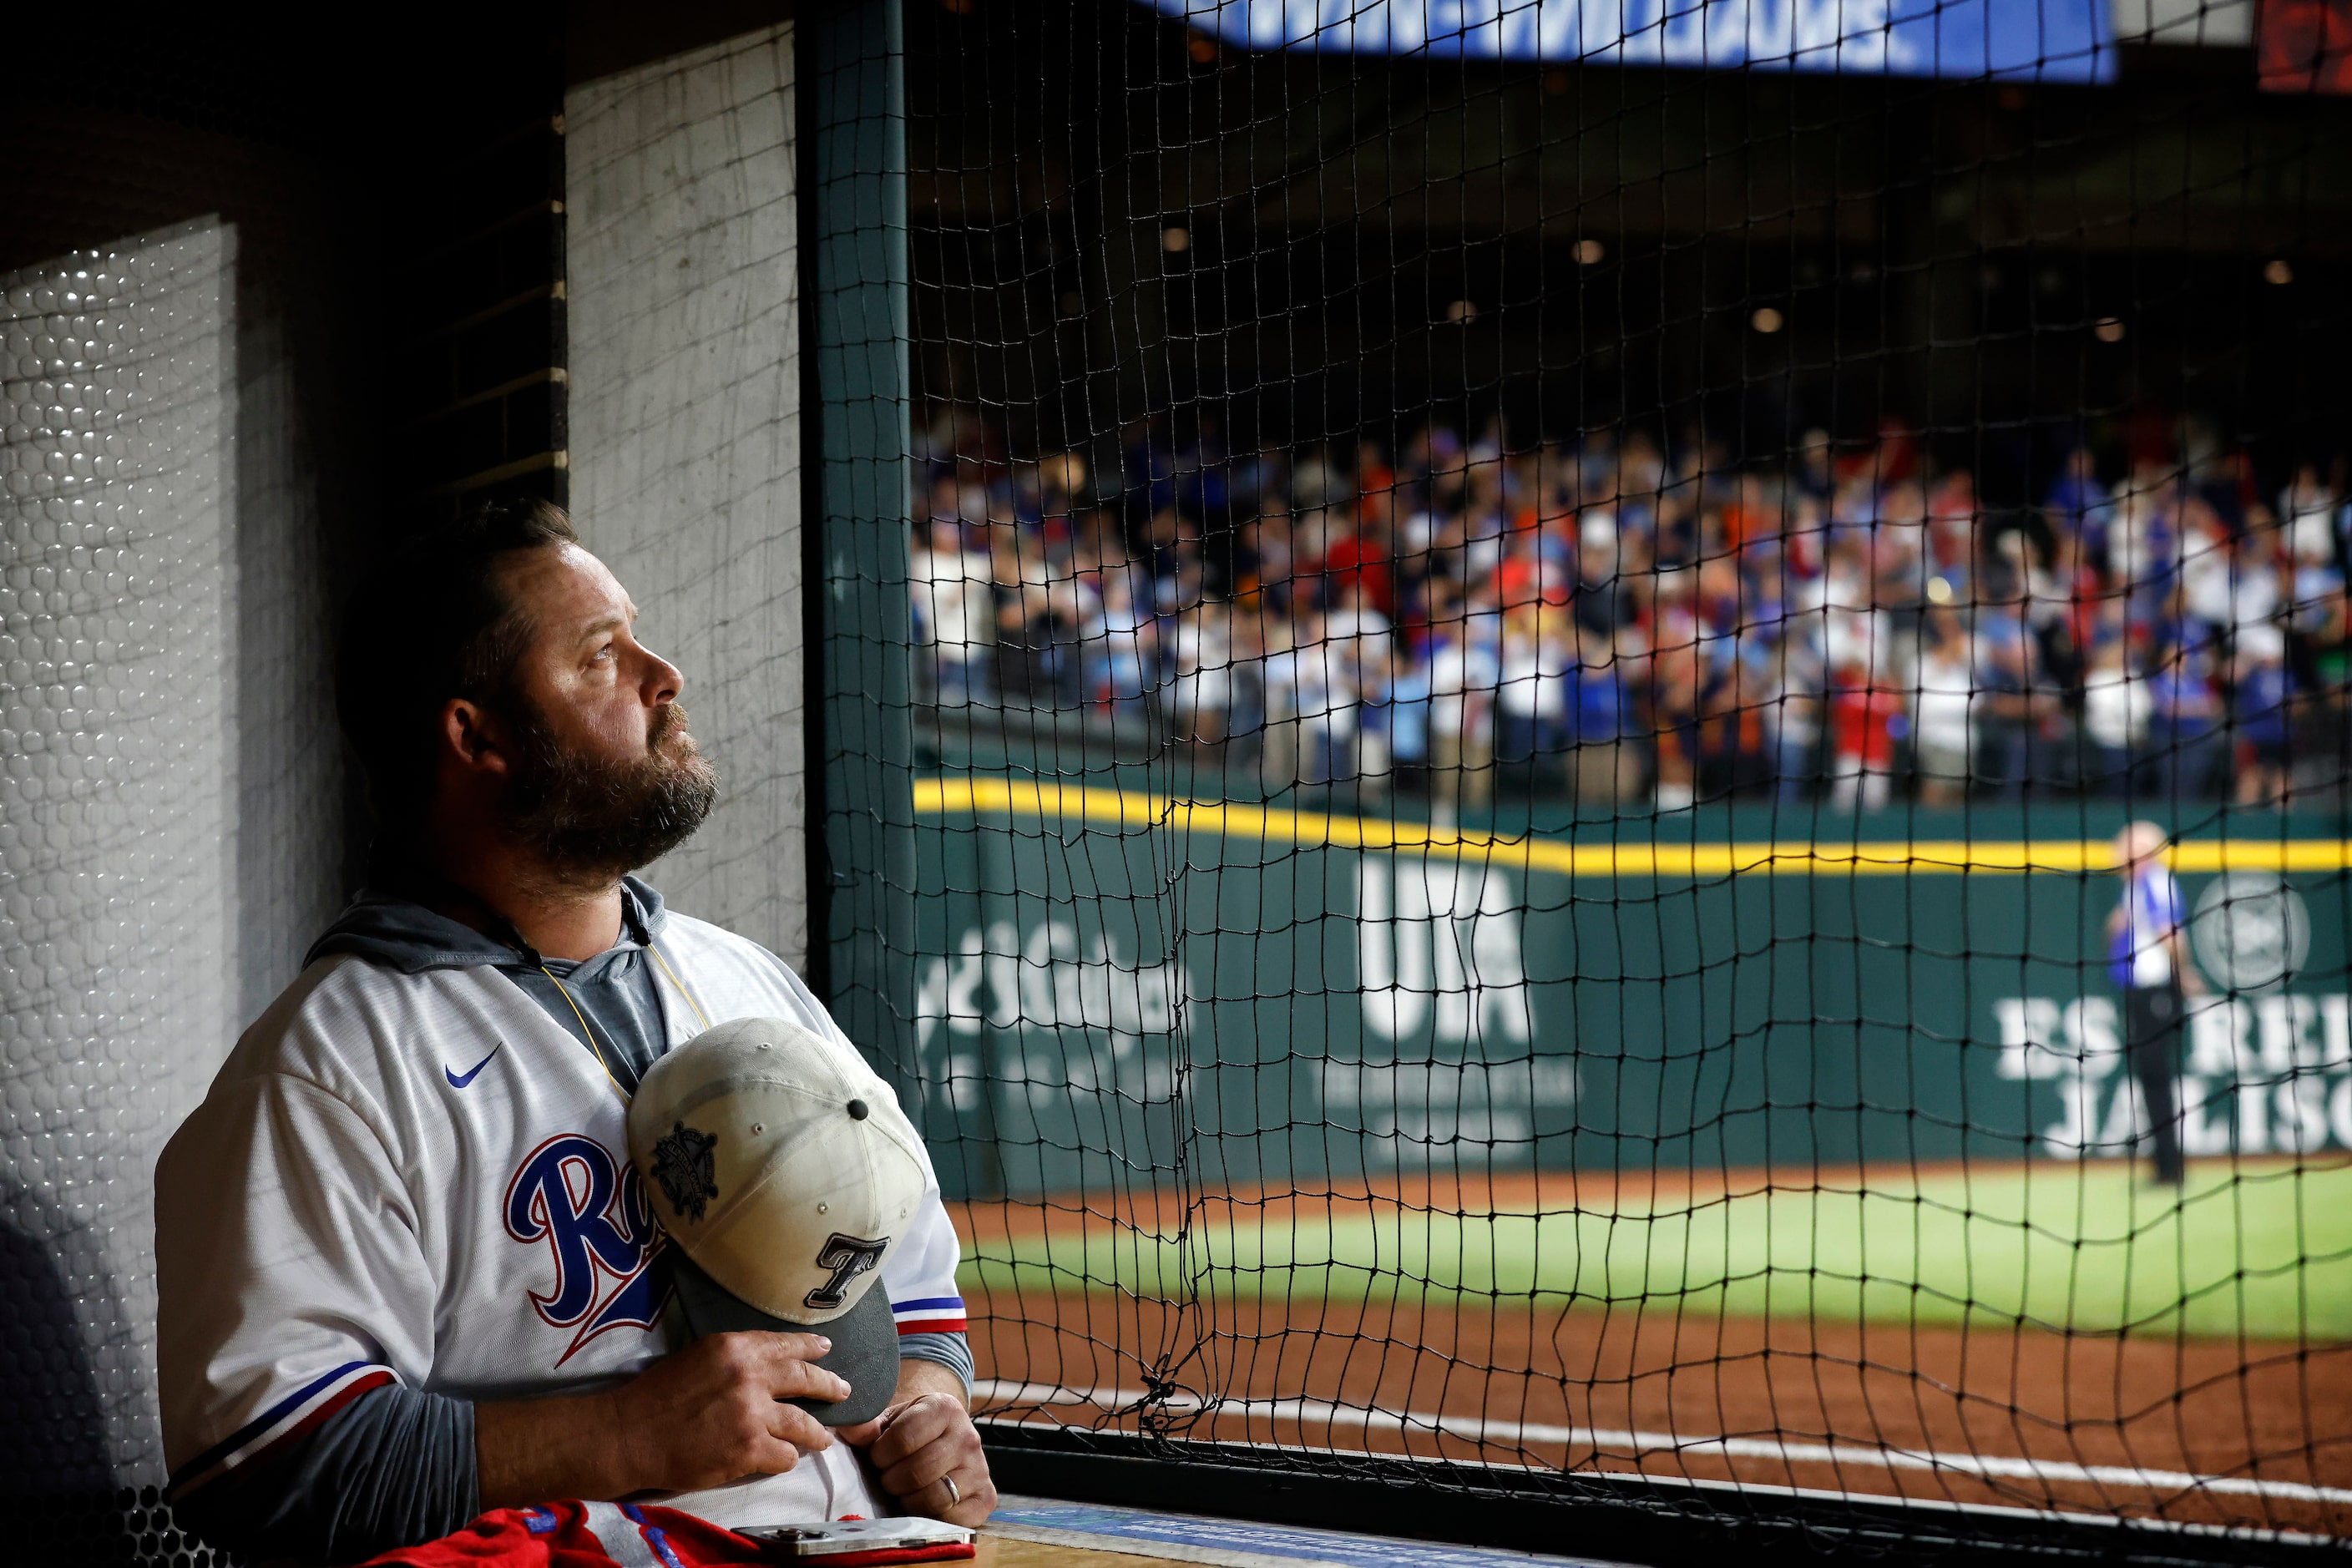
x,y
2015,40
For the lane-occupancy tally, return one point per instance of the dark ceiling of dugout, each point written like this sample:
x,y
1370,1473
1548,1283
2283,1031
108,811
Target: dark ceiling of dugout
x,y
1361,234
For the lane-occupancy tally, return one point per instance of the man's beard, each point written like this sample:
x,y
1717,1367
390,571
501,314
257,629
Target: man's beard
x,y
589,820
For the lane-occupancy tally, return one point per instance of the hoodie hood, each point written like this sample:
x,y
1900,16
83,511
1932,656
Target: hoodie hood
x,y
395,930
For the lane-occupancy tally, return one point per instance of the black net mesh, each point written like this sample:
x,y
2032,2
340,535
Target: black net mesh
x,y
1528,676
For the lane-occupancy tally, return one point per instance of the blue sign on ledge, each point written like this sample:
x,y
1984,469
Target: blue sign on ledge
x,y
2011,40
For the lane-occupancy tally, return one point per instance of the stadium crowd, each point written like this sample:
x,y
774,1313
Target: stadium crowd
x,y
1622,618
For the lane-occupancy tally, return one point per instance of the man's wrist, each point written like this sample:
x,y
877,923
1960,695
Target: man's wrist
x,y
952,1350
615,1448
918,1376
527,1451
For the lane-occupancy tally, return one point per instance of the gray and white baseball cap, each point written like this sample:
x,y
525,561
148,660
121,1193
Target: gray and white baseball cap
x,y
786,1175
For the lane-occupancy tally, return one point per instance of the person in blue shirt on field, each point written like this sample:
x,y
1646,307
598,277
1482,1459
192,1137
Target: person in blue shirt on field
x,y
2147,959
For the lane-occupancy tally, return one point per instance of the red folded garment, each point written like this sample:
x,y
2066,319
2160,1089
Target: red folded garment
x,y
621,1535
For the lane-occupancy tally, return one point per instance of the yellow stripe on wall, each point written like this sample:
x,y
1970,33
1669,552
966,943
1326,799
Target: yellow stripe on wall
x,y
1312,829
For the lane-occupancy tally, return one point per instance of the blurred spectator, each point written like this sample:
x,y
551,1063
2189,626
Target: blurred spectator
x,y
1040,622
1942,733
1866,717
2260,692
2317,618
2227,582
2014,702
2185,728
2308,509
1606,768
2077,500
1355,558
1465,666
1537,701
2116,712
954,613
1362,657
1673,682
1816,469
1201,697
1793,713
1124,636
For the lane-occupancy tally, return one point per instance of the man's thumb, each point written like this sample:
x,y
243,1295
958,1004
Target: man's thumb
x,y
863,1434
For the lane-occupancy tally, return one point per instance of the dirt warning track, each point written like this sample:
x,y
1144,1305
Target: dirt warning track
x,y
2205,1431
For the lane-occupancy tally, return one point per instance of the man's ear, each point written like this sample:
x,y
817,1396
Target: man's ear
x,y
472,737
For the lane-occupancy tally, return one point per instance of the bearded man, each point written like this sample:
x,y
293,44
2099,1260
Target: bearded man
x,y
406,1272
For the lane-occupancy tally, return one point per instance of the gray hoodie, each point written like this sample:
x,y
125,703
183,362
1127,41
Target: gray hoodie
x,y
608,1002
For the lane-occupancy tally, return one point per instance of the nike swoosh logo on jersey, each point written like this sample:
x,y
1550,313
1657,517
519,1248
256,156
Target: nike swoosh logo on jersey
x,y
460,1081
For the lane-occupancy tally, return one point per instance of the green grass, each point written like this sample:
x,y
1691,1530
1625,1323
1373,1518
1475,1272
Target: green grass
x,y
2265,1252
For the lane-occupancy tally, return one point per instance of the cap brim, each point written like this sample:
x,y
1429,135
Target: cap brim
x,y
864,1352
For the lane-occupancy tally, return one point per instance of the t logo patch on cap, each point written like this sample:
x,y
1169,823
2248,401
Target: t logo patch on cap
x,y
687,1166
845,1256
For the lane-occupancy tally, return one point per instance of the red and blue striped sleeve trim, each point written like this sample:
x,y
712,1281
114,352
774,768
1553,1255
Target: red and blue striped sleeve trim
x,y
293,1419
931,1315
655,1536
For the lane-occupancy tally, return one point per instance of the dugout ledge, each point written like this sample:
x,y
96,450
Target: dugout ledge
x,y
1660,1520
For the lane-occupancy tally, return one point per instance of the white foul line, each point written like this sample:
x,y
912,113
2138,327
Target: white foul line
x,y
1513,1434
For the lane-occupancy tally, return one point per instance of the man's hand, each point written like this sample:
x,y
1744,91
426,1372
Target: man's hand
x,y
924,1438
714,1412
711,1414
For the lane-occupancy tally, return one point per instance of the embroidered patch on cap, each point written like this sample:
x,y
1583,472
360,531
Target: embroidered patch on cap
x,y
687,1166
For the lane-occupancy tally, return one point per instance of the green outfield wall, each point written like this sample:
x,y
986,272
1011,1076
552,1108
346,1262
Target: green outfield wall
x,y
1116,989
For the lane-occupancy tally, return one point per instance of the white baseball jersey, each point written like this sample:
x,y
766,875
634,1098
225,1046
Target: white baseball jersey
x,y
423,1178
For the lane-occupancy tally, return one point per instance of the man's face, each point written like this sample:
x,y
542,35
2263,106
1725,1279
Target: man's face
x,y
602,777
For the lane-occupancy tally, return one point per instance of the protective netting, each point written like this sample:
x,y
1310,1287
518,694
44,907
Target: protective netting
x,y
1527,636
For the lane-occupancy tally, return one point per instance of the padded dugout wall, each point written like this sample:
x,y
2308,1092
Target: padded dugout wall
x,y
170,810
175,532
684,434
171,825
116,589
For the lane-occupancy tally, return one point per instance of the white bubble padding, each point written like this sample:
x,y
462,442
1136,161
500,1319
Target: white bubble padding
x,y
117,771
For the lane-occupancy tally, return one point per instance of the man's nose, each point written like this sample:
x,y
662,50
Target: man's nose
x,y
662,681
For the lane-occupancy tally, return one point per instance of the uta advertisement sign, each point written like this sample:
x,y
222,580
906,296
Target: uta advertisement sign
x,y
1297,997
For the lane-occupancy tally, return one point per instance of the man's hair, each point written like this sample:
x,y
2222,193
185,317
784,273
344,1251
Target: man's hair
x,y
432,623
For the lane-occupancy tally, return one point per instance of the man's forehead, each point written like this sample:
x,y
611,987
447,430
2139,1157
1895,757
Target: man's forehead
x,y
567,585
